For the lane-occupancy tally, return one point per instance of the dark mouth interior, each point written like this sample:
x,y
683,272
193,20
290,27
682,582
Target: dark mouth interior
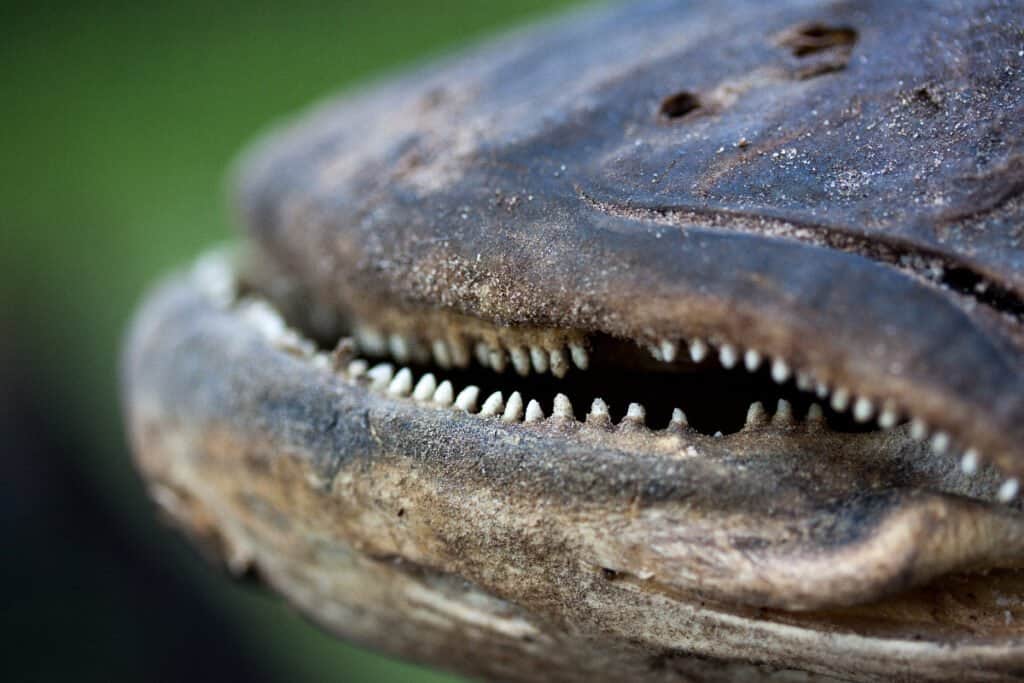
x,y
713,398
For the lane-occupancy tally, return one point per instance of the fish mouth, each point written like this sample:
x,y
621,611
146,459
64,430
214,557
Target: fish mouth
x,y
661,450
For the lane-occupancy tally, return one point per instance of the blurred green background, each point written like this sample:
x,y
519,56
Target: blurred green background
x,y
118,121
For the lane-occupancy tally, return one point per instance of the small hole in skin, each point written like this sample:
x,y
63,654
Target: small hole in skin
x,y
808,39
401,512
609,574
679,105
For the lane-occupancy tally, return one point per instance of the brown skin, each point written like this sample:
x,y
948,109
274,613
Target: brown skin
x,y
797,209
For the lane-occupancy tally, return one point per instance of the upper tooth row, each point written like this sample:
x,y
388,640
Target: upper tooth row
x,y
456,352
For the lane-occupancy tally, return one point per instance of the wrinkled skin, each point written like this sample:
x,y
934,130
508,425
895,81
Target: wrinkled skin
x,y
834,185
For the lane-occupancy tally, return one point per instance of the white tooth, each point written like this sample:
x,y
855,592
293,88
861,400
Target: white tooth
x,y
940,442
493,406
698,350
636,413
498,360
718,435
804,381
399,347
969,463
918,430
821,389
460,352
840,399
380,375
579,356
441,353
539,357
445,394
752,360
370,341
783,412
466,400
655,352
559,365
727,356
888,418
483,354
669,350
425,388
520,360
562,408
401,385
534,412
780,371
678,419
357,368
815,413
755,414
598,410
1009,490
863,409
514,408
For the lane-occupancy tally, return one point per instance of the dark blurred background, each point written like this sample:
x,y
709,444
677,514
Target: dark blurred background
x,y
118,121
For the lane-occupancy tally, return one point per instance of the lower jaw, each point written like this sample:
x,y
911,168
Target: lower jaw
x,y
590,550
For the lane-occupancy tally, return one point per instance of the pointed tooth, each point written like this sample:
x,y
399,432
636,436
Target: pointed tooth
x,y
539,358
888,418
780,371
669,350
940,442
863,410
493,405
399,347
752,360
815,414
969,463
513,408
840,399
466,400
498,360
678,420
718,435
756,415
401,385
727,356
425,388
655,352
520,360
698,350
598,412
483,354
579,355
1009,490
442,355
534,413
636,414
559,364
380,375
804,381
459,351
821,390
562,408
357,368
918,430
370,341
445,394
783,412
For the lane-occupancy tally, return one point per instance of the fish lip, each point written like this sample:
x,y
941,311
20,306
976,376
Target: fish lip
x,y
194,367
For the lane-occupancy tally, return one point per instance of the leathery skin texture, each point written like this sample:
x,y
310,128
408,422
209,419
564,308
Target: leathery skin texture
x,y
667,341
